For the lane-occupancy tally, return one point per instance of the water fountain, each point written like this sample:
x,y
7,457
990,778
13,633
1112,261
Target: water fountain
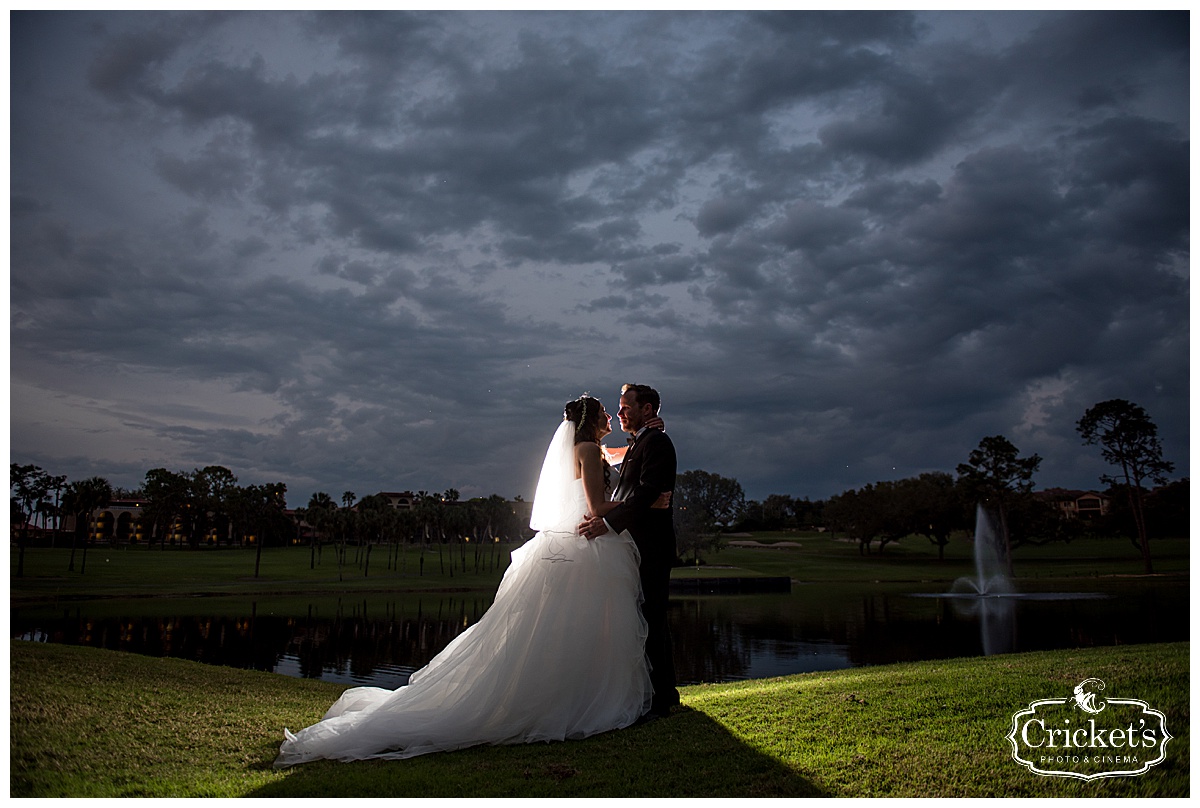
x,y
991,595
991,574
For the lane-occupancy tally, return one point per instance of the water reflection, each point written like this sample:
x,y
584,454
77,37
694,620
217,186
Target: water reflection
x,y
348,643
722,639
360,648
380,641
818,628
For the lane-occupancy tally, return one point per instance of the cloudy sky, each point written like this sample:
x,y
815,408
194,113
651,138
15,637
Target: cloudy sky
x,y
379,251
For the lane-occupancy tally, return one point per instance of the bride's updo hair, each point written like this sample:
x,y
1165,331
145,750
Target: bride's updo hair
x,y
584,412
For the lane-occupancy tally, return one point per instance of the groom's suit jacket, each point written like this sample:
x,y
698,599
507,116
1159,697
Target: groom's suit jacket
x,y
647,471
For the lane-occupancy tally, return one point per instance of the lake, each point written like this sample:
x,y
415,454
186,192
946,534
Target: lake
x,y
381,639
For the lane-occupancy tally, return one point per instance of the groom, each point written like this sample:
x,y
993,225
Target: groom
x,y
646,473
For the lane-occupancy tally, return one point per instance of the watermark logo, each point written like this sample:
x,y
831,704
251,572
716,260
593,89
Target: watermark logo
x,y
1087,736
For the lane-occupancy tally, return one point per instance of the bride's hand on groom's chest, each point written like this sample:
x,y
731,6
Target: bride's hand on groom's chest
x,y
614,455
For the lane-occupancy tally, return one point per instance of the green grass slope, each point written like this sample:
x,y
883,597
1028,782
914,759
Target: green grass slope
x,y
94,723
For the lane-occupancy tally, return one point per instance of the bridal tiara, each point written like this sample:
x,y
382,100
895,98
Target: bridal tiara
x,y
582,413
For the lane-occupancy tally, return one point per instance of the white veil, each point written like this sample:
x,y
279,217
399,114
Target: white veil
x,y
555,506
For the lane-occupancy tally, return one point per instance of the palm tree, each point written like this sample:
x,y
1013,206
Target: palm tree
x,y
428,509
261,506
17,521
81,499
456,520
319,515
57,484
375,520
405,528
321,501
31,484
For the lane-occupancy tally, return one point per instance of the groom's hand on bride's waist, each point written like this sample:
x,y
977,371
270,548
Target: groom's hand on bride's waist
x,y
592,527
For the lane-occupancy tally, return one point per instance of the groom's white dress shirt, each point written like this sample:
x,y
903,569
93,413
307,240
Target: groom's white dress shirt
x,y
636,435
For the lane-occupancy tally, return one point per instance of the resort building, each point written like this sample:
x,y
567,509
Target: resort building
x,y
1075,504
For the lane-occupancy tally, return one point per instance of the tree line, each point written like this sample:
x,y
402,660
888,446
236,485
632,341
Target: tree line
x,y
938,504
192,508
470,529
208,507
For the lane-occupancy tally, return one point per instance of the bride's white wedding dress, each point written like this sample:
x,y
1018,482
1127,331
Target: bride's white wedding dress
x,y
559,655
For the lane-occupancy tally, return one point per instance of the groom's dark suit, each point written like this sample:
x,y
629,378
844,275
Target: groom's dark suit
x,y
647,471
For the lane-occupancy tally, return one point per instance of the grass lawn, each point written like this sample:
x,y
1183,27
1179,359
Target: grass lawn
x,y
135,571
822,559
95,723
142,571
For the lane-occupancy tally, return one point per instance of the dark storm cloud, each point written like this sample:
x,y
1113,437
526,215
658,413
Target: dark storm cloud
x,y
124,69
381,250
1096,60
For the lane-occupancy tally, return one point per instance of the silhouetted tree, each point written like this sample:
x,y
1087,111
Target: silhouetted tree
x,y
262,507
857,514
1128,439
18,520
704,503
1032,520
995,475
57,485
320,516
889,510
212,489
721,497
808,514
168,496
936,507
29,485
695,530
81,499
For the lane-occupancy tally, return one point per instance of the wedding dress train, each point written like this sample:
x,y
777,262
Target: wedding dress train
x,y
559,655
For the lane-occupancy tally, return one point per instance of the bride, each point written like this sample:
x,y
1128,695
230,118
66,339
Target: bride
x,y
558,655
